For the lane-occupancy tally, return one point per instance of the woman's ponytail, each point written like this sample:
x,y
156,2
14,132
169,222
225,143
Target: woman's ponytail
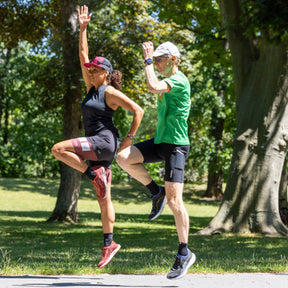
x,y
115,79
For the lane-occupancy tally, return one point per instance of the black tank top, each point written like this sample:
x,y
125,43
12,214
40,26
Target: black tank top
x,y
97,115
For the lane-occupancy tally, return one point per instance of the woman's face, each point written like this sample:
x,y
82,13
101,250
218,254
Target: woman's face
x,y
98,75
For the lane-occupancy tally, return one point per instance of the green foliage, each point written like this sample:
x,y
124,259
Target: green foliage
x,y
205,99
266,18
33,126
18,21
34,87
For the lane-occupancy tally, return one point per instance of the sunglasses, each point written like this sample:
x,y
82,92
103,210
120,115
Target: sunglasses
x,y
95,70
160,59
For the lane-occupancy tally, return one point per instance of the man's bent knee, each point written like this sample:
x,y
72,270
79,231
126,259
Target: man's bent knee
x,y
122,157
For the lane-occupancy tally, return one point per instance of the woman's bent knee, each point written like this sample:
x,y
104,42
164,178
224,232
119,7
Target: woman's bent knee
x,y
57,149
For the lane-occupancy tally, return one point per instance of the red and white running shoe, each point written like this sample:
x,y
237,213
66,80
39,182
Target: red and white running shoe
x,y
100,182
108,252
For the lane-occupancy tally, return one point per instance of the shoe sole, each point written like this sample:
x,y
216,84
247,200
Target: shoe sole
x,y
160,210
191,262
110,258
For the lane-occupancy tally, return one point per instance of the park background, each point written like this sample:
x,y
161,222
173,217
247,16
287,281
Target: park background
x,y
49,215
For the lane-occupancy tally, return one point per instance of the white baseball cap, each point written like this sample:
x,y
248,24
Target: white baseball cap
x,y
167,48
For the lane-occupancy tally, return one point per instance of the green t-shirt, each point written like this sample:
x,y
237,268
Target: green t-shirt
x,y
173,111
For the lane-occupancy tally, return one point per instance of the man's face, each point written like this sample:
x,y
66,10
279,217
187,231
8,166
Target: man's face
x,y
163,64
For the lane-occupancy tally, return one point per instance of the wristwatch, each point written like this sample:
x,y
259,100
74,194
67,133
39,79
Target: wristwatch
x,y
148,61
131,137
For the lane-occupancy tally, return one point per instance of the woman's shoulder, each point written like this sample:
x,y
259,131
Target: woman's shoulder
x,y
109,89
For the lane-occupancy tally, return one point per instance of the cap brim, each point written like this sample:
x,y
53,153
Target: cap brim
x,y
157,54
89,64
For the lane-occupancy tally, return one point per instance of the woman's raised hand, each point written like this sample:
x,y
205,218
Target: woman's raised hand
x,y
83,16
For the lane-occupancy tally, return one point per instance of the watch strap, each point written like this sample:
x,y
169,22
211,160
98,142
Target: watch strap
x,y
148,61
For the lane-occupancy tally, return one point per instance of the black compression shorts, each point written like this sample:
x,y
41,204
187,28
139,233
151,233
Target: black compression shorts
x,y
100,149
173,155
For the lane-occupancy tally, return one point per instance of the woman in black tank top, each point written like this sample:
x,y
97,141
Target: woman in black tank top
x,y
99,145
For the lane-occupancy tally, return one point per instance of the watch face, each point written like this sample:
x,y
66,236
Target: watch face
x,y
149,60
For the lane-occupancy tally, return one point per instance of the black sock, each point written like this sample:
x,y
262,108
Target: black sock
x,y
108,238
183,249
153,188
90,173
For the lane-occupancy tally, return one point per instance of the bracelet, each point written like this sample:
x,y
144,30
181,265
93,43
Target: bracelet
x,y
131,137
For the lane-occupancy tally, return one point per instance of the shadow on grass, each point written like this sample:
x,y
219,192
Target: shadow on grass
x,y
146,246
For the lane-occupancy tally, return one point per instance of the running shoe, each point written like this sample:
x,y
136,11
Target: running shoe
x,y
158,204
108,252
181,265
100,181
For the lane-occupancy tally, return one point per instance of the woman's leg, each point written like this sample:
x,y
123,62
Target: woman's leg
x,y
64,152
107,210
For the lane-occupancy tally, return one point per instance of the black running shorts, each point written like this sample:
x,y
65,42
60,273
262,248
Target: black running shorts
x,y
100,149
173,155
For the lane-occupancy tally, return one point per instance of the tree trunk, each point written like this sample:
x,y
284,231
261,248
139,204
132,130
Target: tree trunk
x,y
215,173
70,179
5,100
250,201
283,204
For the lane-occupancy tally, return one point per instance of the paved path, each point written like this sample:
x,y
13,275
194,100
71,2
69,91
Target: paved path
x,y
245,280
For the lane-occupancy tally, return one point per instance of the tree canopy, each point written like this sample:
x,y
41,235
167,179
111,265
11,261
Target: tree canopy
x,y
216,38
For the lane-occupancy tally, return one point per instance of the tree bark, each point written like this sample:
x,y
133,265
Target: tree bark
x,y
215,172
68,193
251,199
283,204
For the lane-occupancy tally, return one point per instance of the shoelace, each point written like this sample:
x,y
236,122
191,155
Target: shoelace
x,y
105,251
177,262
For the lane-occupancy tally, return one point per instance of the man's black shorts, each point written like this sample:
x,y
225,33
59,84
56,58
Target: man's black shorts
x,y
173,155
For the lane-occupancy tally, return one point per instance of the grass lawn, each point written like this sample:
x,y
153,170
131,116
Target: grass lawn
x,y
29,245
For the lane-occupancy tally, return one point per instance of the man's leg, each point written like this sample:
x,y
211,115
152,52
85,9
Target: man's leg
x,y
131,160
174,193
185,258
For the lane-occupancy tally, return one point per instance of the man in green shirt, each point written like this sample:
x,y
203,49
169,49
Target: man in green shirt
x,y
170,144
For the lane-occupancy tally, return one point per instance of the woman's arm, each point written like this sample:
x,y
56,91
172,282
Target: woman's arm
x,y
84,19
114,99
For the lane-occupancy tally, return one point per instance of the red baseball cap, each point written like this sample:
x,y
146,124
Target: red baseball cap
x,y
100,62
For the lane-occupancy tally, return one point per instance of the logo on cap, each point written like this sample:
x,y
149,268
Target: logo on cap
x,y
100,62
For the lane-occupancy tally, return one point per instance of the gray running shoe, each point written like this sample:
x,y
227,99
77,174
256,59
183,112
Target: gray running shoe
x,y
181,265
158,203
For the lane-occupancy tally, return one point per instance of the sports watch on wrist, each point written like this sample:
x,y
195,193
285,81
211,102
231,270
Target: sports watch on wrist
x,y
131,137
148,61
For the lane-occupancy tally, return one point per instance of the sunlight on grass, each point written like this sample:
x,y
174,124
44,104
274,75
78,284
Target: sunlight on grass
x,y
29,245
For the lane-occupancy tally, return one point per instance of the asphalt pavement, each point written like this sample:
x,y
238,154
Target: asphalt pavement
x,y
238,280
